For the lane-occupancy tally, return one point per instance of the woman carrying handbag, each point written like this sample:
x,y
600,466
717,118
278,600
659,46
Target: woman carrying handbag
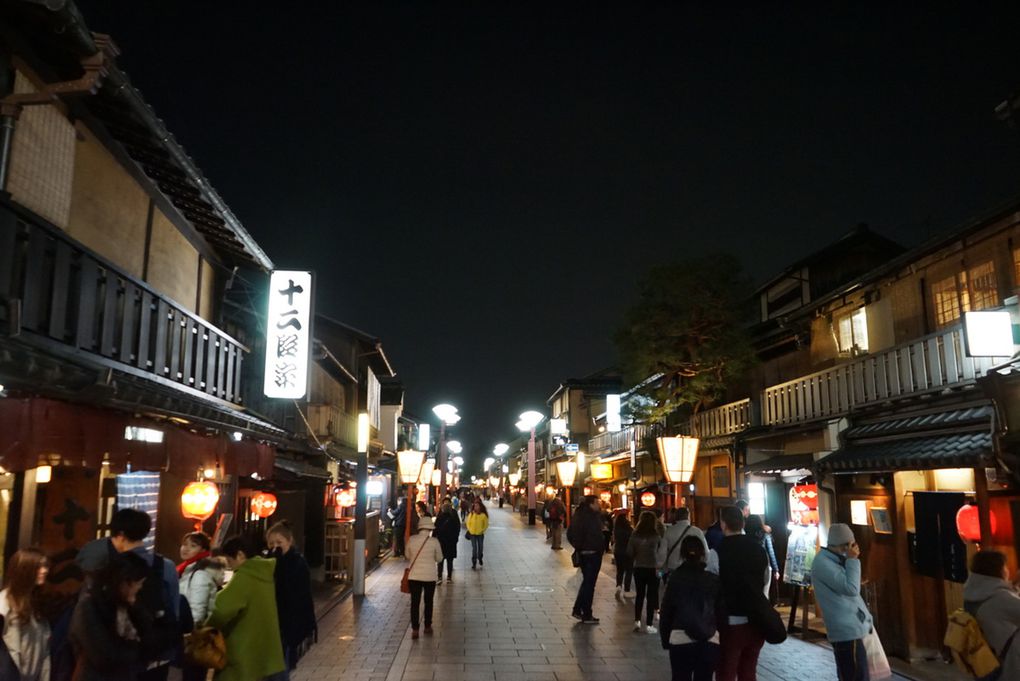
x,y
426,552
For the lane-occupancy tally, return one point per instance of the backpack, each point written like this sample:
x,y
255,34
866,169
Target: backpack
x,y
166,634
696,615
970,649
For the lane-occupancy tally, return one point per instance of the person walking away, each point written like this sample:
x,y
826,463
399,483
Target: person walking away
x,y
109,625
160,595
624,565
742,566
294,605
714,533
585,535
557,515
422,509
670,557
244,611
448,533
836,579
477,523
990,598
200,578
25,631
642,549
691,609
465,506
755,527
425,552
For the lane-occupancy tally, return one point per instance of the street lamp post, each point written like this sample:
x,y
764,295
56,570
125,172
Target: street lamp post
x,y
529,421
447,415
566,471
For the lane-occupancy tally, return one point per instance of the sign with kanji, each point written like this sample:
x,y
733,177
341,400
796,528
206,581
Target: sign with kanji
x,y
288,334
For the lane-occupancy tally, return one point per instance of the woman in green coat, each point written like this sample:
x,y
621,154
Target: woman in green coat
x,y
243,610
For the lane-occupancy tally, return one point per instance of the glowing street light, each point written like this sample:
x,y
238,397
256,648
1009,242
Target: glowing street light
x,y
447,415
501,449
566,471
454,447
410,464
529,420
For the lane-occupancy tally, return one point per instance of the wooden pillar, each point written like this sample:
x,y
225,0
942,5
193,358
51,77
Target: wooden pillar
x,y
984,505
905,595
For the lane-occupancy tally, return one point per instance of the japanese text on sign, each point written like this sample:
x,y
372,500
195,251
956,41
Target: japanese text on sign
x,y
288,334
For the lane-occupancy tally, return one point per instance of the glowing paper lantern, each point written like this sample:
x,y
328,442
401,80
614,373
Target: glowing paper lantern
x,y
968,523
263,504
648,499
601,471
199,499
606,496
587,491
678,456
345,498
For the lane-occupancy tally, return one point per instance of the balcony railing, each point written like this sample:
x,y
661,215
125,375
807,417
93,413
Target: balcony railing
x,y
613,443
929,364
72,297
725,419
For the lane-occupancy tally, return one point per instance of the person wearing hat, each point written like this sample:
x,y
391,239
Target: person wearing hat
x,y
836,578
424,551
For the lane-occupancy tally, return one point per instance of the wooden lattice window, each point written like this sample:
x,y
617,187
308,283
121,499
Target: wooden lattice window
x,y
946,299
979,290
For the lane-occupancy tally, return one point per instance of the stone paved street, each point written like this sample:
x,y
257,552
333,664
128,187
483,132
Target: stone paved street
x,y
509,622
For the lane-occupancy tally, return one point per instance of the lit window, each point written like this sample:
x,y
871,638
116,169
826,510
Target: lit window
x,y
981,290
852,333
139,434
946,300
756,497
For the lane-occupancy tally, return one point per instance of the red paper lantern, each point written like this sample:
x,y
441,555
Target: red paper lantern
x,y
648,499
199,499
607,497
263,504
345,498
968,523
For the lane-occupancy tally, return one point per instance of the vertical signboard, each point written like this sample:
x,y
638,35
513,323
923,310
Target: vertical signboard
x,y
288,334
613,422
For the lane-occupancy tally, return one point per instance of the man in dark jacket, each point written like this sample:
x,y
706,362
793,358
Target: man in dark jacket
x,y
399,525
742,569
585,535
557,514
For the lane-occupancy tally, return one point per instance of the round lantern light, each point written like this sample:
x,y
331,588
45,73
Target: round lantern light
x,y
968,523
199,499
587,491
345,498
606,496
647,499
263,504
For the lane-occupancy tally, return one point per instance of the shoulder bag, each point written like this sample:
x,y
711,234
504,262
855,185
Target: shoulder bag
x,y
205,647
405,581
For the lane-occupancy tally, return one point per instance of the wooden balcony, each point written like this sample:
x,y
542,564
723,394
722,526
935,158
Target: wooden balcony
x,y
605,444
726,419
71,302
927,365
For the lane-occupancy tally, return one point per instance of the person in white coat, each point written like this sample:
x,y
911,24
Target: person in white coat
x,y
990,598
424,551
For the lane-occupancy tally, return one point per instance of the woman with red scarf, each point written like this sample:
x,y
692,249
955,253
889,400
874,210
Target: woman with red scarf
x,y
198,585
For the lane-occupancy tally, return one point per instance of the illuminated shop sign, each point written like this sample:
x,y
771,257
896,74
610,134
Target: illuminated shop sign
x,y
288,334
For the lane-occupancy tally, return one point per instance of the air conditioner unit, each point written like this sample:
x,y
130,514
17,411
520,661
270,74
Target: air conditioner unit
x,y
318,419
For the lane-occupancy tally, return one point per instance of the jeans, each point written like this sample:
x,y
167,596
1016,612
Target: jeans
x,y
591,563
739,649
449,568
624,570
647,588
429,588
694,661
477,548
851,660
556,529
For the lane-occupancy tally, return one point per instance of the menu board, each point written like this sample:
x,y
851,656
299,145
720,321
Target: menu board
x,y
800,554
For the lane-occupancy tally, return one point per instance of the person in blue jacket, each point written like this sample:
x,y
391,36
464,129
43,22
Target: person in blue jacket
x,y
836,578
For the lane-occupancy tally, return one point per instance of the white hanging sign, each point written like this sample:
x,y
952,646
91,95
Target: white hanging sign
x,y
288,334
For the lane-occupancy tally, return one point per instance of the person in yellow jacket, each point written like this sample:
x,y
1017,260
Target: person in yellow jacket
x,y
477,522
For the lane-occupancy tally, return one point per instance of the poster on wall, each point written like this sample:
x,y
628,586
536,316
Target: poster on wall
x,y
804,504
800,554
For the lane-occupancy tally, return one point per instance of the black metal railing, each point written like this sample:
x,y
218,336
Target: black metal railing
x,y
59,291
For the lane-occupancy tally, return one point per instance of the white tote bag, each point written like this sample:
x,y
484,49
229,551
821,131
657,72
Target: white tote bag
x,y
878,663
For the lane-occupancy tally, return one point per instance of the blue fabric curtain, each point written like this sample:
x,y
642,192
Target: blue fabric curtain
x,y
141,491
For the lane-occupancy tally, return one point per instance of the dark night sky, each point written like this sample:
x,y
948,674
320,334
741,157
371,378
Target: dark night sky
x,y
481,185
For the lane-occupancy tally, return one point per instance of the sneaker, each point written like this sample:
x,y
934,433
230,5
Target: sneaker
x,y
637,625
649,630
618,590
626,591
414,634
590,620
428,630
449,580
473,566
576,615
481,563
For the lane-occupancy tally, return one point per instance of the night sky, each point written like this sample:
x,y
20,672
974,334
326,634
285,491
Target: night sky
x,y
481,185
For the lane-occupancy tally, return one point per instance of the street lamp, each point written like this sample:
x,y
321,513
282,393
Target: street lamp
x,y
515,478
409,467
447,415
678,456
566,471
529,421
501,449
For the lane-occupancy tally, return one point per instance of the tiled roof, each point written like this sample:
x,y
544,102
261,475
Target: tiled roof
x,y
950,450
954,418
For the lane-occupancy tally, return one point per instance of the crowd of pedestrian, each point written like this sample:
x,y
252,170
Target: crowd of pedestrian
x,y
134,615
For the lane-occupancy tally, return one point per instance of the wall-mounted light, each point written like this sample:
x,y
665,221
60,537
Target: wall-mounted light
x,y
139,434
43,474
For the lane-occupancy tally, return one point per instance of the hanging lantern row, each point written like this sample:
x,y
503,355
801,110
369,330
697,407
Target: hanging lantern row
x,y
263,504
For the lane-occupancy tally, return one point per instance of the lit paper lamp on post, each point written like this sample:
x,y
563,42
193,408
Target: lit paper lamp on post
x,y
198,501
678,456
529,420
425,477
566,471
409,466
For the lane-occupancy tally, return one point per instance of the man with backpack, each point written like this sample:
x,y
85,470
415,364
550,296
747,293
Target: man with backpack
x,y
836,578
669,555
689,621
160,593
990,601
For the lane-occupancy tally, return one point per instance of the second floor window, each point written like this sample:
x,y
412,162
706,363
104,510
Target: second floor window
x,y
972,289
852,333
